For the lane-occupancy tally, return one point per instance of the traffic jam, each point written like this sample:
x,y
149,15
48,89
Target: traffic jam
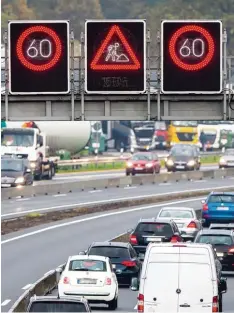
x,y
176,255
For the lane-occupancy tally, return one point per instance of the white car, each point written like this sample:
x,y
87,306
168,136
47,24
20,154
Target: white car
x,y
92,277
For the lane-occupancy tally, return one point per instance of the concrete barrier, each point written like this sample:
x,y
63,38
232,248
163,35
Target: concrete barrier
x,y
29,191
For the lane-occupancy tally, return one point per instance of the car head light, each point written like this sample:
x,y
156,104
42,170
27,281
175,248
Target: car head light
x,y
129,164
170,162
149,165
33,164
191,163
19,180
222,161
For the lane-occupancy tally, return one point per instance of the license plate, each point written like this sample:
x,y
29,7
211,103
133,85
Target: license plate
x,y
146,147
219,254
179,225
223,208
180,166
150,239
86,281
138,168
6,185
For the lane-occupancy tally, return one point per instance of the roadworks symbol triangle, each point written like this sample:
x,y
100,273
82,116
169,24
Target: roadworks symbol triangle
x,y
122,61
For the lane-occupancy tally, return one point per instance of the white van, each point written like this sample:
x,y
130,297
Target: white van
x,y
179,277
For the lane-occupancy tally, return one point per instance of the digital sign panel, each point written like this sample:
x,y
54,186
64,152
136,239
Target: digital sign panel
x,y
39,57
191,57
115,56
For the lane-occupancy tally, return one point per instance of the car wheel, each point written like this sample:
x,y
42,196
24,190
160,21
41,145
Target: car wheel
x,y
113,305
127,173
49,176
220,303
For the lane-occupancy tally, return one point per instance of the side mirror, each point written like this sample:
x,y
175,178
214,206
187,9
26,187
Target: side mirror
x,y
134,284
28,170
38,145
223,285
203,201
82,253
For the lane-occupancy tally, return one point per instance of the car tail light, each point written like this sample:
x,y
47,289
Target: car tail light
x,y
140,304
129,263
66,280
108,281
192,225
215,304
231,251
133,240
205,207
175,239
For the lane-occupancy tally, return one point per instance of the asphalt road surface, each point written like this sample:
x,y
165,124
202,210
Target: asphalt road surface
x,y
18,207
27,255
70,177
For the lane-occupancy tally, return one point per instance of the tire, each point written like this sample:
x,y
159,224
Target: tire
x,y
127,173
50,175
220,303
113,305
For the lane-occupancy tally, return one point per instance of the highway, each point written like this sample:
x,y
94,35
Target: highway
x,y
70,177
27,255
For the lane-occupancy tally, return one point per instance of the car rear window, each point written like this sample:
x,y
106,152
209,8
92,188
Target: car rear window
x,y
55,306
155,229
216,240
222,198
87,265
177,213
111,252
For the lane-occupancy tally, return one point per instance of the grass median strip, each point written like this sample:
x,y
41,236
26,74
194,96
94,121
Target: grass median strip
x,y
118,165
35,219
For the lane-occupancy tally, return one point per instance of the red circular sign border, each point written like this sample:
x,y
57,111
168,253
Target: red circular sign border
x,y
173,54
20,54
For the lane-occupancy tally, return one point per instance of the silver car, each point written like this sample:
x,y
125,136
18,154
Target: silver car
x,y
227,159
185,219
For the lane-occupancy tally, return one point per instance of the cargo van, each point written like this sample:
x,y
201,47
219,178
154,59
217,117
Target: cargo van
x,y
180,277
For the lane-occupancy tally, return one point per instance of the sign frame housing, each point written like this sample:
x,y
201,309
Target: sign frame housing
x,y
67,22
144,53
221,55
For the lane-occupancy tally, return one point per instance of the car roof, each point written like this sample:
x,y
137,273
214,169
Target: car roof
x,y
49,298
216,232
176,208
84,257
110,244
155,220
213,193
222,225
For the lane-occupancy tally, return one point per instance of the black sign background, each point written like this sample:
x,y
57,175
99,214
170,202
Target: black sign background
x,y
53,80
119,80
176,79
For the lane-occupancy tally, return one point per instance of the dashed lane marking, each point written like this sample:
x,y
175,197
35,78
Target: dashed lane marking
x,y
27,286
199,181
164,184
4,303
23,199
60,195
130,187
93,191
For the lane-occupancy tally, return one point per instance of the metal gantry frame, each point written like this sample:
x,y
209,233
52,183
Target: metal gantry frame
x,y
80,94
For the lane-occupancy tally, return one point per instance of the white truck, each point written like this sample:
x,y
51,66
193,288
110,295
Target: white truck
x,y
39,144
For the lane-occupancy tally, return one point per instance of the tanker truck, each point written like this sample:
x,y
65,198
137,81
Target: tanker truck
x,y
39,141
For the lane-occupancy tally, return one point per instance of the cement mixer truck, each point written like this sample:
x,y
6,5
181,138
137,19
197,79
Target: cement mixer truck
x,y
39,141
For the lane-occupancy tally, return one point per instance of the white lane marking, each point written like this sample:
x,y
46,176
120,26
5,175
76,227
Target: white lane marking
x,y
4,303
164,184
93,191
60,195
199,181
141,208
130,187
23,199
135,307
109,200
27,286
76,177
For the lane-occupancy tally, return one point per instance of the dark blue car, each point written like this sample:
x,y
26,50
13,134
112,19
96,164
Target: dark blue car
x,y
218,207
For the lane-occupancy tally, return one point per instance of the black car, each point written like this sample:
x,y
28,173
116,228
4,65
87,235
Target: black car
x,y
153,230
183,157
56,304
123,258
15,172
222,242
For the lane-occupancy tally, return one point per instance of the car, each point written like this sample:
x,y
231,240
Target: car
x,y
179,277
123,258
15,172
56,304
185,219
227,159
223,243
218,207
153,230
90,276
143,163
229,226
183,157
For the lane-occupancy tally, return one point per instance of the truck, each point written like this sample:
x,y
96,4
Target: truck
x,y
184,132
133,135
39,141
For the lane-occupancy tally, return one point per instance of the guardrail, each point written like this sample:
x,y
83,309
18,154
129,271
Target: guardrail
x,y
31,191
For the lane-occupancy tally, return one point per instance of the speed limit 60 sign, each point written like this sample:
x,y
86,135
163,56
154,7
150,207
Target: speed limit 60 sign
x,y
191,57
39,57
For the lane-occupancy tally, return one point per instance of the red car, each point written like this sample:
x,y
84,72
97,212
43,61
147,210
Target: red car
x,y
143,163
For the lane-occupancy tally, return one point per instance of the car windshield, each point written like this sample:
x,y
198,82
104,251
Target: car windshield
x,y
11,165
177,213
111,252
17,138
183,150
142,157
57,306
155,229
87,265
222,198
216,240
